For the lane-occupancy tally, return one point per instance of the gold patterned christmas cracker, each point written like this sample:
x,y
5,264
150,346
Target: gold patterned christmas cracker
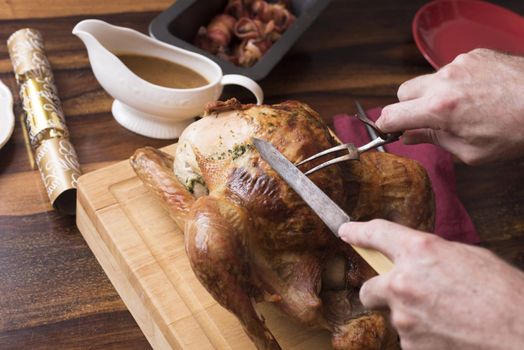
x,y
44,119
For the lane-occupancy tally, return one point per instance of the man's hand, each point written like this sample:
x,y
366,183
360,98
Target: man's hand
x,y
473,107
442,295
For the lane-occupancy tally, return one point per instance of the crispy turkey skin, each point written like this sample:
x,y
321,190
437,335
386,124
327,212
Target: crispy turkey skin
x,y
250,238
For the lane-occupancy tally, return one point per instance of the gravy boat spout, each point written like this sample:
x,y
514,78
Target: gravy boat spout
x,y
143,107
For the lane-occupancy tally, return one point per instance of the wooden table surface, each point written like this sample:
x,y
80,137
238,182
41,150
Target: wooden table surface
x,y
53,293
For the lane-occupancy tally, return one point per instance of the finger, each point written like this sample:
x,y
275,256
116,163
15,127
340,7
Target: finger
x,y
453,144
408,115
414,137
373,293
414,88
384,236
436,137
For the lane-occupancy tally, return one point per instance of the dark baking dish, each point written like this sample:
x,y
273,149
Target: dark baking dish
x,y
179,24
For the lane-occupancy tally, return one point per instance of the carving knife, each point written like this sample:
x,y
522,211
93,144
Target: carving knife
x,y
330,213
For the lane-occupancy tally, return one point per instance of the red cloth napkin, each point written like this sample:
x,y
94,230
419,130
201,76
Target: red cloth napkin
x,y
452,222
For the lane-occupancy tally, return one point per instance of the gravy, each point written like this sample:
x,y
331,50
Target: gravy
x,y
162,72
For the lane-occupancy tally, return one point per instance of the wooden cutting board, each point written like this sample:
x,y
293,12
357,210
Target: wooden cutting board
x,y
142,252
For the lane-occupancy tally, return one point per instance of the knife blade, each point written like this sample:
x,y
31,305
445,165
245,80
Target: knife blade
x,y
328,211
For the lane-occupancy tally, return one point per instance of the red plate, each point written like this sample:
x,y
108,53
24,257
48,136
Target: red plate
x,y
443,29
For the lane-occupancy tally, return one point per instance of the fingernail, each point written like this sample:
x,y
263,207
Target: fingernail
x,y
345,230
381,123
363,290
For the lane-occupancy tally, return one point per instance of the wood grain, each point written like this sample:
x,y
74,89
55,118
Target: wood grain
x,y
114,330
39,247
56,295
42,8
133,300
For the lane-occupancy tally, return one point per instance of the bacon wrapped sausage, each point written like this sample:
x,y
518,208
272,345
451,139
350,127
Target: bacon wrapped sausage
x,y
246,30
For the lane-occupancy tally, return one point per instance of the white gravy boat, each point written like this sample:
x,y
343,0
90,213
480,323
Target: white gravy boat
x,y
140,106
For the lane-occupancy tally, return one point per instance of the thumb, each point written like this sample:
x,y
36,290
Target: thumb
x,y
373,293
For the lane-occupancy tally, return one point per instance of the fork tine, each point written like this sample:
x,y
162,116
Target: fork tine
x,y
378,142
352,149
323,153
329,162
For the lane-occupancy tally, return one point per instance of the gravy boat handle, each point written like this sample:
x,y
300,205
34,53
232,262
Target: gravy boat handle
x,y
251,85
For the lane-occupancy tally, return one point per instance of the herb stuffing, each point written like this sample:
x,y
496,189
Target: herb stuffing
x,y
190,183
236,152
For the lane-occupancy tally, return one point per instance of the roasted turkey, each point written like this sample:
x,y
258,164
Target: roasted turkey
x,y
250,238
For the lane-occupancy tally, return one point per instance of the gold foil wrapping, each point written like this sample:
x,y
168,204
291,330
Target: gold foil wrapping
x,y
44,119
